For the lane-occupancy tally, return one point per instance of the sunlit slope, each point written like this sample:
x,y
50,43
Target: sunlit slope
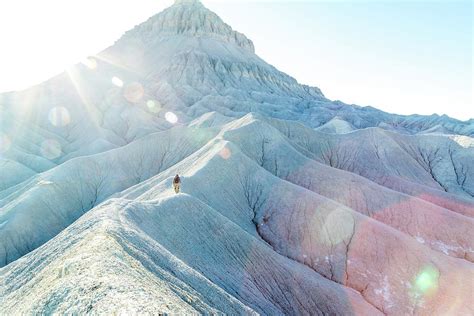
x,y
438,169
410,214
220,226
100,264
291,203
185,60
38,209
316,231
162,255
64,193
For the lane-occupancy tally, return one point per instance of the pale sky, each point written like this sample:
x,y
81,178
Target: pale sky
x,y
399,56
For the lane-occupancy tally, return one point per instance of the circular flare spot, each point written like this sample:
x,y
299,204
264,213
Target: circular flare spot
x,y
134,92
153,106
427,280
171,117
59,116
50,149
150,104
225,153
117,81
338,227
4,143
90,63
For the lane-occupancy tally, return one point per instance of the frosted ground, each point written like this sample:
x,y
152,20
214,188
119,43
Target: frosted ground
x,y
291,203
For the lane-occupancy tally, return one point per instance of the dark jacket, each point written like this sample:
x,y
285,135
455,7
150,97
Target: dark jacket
x,y
176,179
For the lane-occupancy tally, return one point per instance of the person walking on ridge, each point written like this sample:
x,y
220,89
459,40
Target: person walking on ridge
x,y
176,183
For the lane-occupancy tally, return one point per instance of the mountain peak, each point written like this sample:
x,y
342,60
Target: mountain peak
x,y
188,18
178,2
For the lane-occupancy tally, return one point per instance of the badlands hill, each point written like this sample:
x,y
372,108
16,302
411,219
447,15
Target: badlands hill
x,y
291,203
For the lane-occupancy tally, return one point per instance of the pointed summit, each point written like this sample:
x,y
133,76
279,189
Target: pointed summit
x,y
188,18
187,2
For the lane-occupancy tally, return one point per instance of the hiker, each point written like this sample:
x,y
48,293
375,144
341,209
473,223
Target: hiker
x,y
176,183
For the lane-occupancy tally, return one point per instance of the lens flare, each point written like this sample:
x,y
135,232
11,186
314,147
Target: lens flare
x,y
171,117
425,283
150,104
50,149
134,92
339,226
117,81
225,153
153,106
4,143
90,63
59,116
